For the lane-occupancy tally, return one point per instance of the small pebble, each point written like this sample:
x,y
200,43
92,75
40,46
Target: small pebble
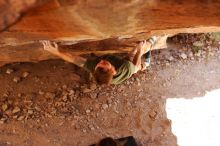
x,y
9,71
183,56
167,63
19,94
64,86
93,86
25,74
2,122
86,90
84,130
16,110
171,58
16,79
4,107
71,92
41,92
77,126
30,112
21,118
153,114
50,95
93,95
104,106
88,111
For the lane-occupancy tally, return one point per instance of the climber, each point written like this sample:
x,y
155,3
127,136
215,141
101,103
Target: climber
x,y
125,141
109,142
108,69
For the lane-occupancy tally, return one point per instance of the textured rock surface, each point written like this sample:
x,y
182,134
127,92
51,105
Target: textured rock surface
x,y
82,21
11,10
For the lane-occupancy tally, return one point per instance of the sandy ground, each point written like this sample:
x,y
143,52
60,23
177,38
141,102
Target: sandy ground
x,y
51,104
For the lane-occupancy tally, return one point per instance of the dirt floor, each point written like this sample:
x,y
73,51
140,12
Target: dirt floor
x,y
50,103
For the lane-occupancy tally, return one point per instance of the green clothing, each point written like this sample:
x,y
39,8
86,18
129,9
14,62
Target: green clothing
x,y
124,68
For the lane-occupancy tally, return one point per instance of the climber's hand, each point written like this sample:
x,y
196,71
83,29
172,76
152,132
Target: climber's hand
x,y
50,46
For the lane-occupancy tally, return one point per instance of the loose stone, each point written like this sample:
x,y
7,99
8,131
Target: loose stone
x,y
9,71
183,56
16,79
4,107
25,74
104,106
16,110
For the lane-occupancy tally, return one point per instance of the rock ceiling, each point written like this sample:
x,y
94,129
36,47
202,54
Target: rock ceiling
x,y
98,24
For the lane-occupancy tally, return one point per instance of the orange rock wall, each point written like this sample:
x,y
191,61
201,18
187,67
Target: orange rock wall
x,y
72,22
11,11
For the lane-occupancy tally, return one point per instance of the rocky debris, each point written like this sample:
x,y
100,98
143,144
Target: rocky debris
x,y
190,55
93,86
198,44
64,102
50,95
183,56
153,114
29,98
19,94
93,95
71,92
20,118
37,108
170,58
16,110
167,63
41,92
3,120
86,90
109,101
4,107
84,130
25,74
30,112
5,95
9,71
198,54
77,126
88,111
16,79
91,127
104,106
64,87
65,98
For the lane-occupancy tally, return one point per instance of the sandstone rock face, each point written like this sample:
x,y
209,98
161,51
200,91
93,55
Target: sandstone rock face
x,y
86,23
11,10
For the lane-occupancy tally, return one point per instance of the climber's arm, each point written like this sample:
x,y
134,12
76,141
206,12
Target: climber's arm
x,y
53,48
